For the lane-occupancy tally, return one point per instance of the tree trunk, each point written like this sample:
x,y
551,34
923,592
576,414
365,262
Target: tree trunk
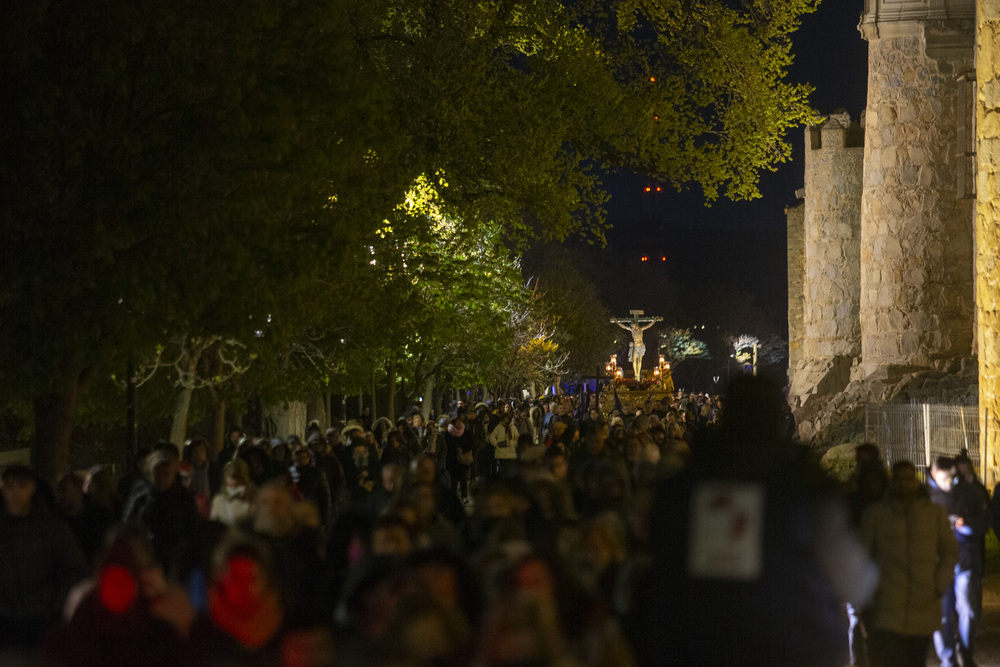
x,y
425,409
438,397
374,409
178,429
53,415
218,430
390,391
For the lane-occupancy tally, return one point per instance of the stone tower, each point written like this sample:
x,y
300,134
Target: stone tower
x,y
795,222
918,200
831,265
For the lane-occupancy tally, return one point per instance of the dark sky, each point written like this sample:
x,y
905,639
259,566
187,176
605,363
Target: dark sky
x,y
730,243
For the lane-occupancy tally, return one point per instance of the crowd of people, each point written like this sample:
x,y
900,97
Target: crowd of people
x,y
691,531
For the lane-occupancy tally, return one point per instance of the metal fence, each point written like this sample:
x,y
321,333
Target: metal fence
x,y
920,432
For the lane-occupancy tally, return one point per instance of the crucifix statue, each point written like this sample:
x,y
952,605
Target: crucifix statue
x,y
635,326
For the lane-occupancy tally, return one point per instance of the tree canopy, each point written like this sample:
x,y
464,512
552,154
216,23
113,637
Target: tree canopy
x,y
247,170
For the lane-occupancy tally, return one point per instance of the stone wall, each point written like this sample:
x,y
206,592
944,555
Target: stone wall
x,y
831,268
833,178
795,219
916,231
988,232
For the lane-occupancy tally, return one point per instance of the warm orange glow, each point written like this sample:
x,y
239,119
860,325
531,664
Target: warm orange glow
x,y
644,258
652,79
656,118
663,259
659,189
648,188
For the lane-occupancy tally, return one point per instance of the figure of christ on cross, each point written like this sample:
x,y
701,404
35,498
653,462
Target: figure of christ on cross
x,y
636,349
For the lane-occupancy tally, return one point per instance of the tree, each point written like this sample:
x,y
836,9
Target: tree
x,y
197,169
677,344
163,165
517,103
580,320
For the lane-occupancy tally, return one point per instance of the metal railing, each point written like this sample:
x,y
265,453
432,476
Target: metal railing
x,y
920,432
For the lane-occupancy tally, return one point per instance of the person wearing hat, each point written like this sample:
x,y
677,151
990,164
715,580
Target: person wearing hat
x,y
166,509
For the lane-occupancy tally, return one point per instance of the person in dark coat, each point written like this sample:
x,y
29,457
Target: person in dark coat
x,y
458,440
168,511
311,483
88,520
968,506
39,562
754,556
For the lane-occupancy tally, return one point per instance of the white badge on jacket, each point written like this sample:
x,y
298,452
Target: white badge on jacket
x,y
725,536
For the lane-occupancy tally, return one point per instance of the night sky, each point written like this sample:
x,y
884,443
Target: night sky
x,y
729,243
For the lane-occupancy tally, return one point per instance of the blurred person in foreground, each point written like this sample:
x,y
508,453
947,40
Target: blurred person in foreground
x,y
754,555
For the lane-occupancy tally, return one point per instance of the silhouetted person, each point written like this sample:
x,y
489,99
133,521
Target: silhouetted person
x,y
753,552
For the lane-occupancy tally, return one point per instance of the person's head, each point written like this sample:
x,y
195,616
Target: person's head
x,y
557,463
604,540
241,576
280,451
99,485
423,499
303,456
425,469
353,433
69,494
943,472
161,470
235,435
418,420
197,452
394,440
392,536
274,514
392,473
904,485
865,452
18,489
964,468
594,437
332,437
236,474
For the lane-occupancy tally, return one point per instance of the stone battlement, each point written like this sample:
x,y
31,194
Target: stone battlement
x,y
838,131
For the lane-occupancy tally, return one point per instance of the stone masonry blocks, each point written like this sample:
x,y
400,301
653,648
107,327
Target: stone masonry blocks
x,y
988,232
832,236
916,302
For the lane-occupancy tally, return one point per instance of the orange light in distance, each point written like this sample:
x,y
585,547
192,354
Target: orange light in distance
x,y
644,258
659,189
648,188
652,79
663,259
